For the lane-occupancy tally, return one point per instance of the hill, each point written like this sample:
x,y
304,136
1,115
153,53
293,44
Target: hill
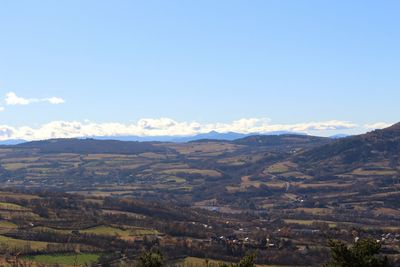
x,y
293,141
91,146
278,195
379,148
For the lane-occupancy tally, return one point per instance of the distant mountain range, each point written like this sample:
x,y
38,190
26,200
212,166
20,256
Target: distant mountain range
x,y
338,136
12,142
176,139
213,135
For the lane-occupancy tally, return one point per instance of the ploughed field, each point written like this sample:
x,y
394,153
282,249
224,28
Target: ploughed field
x,y
208,198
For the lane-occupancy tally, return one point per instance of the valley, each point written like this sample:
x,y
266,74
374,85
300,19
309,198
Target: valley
x,y
282,196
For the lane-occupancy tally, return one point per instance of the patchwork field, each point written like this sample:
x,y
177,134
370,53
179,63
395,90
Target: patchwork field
x,y
18,244
126,234
282,196
81,259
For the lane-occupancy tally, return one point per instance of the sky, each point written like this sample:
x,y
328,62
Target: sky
x,y
72,68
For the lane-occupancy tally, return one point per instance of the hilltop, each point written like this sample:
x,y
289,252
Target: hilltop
x,y
379,148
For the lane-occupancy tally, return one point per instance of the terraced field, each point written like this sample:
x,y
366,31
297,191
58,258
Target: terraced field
x,y
19,244
81,259
127,234
209,194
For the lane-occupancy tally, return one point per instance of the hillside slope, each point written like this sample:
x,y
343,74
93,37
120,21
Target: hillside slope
x,y
91,146
380,148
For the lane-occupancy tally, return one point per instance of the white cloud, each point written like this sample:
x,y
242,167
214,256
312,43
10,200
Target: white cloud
x,y
378,125
13,99
160,127
55,100
2,109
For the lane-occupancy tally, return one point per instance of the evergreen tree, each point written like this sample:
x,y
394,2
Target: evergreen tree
x,y
247,261
363,253
151,259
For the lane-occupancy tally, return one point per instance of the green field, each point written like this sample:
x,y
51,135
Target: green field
x,y
309,222
11,206
101,230
7,225
108,230
20,244
105,230
65,259
278,168
196,262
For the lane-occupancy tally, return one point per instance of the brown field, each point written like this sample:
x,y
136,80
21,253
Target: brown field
x,y
211,173
362,172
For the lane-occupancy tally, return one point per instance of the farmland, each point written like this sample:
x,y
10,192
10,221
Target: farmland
x,y
65,259
282,196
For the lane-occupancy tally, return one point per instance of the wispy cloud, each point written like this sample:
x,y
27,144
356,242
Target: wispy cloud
x,y
13,99
161,127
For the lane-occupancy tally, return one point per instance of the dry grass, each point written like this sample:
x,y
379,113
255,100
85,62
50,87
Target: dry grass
x,y
280,167
309,222
109,156
386,211
215,148
296,175
211,173
196,262
321,185
20,160
14,166
315,211
385,172
152,155
247,182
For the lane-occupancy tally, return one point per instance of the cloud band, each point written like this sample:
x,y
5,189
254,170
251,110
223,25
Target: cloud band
x,y
160,127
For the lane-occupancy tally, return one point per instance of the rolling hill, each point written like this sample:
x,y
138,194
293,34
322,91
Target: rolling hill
x,y
379,148
91,146
206,197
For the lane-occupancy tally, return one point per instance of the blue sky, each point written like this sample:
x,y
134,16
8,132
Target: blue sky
x,y
205,62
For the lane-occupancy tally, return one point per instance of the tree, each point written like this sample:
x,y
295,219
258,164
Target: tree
x,y
151,259
247,261
364,253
